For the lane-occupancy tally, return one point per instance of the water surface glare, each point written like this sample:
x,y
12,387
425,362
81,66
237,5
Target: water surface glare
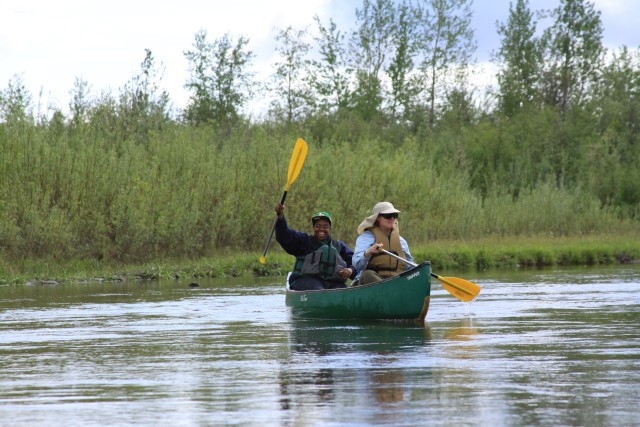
x,y
556,347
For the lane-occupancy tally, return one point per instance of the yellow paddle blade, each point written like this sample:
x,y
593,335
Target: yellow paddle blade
x,y
460,288
295,165
296,162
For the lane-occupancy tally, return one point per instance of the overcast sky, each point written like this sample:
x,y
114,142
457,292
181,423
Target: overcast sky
x,y
50,43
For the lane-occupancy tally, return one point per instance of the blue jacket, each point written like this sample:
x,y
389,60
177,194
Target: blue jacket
x,y
297,243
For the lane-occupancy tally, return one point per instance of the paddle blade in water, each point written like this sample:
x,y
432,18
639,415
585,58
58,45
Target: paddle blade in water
x,y
460,288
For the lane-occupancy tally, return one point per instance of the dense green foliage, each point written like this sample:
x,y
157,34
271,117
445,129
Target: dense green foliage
x,y
122,178
185,191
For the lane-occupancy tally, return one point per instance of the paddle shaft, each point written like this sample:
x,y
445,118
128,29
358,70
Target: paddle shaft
x,y
399,258
448,282
273,229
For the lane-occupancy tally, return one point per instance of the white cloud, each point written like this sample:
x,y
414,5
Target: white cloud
x,y
613,7
52,43
621,20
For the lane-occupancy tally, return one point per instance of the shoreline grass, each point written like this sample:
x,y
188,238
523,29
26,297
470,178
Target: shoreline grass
x,y
534,251
479,254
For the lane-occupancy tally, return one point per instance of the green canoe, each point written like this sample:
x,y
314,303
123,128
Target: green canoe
x,y
402,297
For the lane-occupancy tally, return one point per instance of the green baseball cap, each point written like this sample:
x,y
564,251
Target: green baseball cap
x,y
321,215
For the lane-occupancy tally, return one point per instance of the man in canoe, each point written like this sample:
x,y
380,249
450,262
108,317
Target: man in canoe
x,y
380,231
321,262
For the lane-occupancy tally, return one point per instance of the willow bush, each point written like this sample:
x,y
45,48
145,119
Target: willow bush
x,y
95,191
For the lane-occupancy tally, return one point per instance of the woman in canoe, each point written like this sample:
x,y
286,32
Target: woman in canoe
x,y
321,262
380,231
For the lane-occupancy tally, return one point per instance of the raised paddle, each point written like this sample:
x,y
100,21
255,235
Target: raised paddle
x,y
462,289
295,164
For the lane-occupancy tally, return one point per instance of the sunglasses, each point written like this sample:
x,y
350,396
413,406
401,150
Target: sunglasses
x,y
389,215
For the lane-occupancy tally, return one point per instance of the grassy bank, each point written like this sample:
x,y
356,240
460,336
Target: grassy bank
x,y
539,251
506,253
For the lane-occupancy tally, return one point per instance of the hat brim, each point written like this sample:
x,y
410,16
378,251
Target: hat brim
x,y
367,223
371,219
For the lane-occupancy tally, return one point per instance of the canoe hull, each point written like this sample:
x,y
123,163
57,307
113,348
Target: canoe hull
x,y
405,296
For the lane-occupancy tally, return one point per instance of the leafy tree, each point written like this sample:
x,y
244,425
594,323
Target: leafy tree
x,y
143,105
220,81
16,103
80,102
331,74
573,53
372,46
459,109
614,173
401,66
103,118
619,102
200,108
446,43
290,82
520,60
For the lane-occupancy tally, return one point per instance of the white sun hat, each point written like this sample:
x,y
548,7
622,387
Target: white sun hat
x,y
379,208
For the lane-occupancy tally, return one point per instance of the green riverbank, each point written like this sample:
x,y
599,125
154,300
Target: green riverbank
x,y
503,253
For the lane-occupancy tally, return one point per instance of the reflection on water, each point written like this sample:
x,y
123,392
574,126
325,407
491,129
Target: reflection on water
x,y
539,347
325,337
304,380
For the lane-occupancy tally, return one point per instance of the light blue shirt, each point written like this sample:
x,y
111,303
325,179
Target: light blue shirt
x,y
364,242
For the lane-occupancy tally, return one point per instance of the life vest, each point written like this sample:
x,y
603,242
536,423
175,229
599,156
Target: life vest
x,y
383,264
324,262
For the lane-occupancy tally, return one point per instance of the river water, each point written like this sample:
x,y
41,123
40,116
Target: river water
x,y
554,347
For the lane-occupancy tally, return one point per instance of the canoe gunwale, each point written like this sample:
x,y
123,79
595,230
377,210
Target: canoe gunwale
x,y
356,288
